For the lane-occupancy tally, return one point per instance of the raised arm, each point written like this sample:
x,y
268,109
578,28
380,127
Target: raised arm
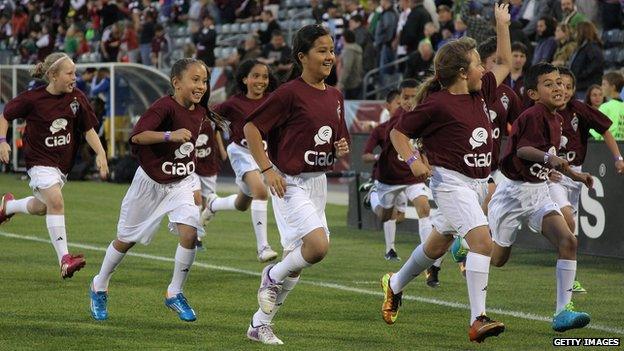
x,y
503,43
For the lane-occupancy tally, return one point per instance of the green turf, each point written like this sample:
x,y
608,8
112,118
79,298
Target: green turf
x,y
40,311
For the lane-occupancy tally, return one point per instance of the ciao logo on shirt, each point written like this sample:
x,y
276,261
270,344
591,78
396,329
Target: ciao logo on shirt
x,y
478,138
541,172
180,168
568,156
319,158
200,150
58,140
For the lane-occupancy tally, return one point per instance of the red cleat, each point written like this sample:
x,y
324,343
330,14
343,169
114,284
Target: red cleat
x,y
71,264
3,216
484,327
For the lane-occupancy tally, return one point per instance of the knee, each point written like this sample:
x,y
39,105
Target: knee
x,y
483,247
498,261
317,253
55,205
568,245
37,208
423,211
259,192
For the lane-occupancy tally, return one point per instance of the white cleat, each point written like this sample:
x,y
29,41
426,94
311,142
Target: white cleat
x,y
207,213
266,254
268,291
263,334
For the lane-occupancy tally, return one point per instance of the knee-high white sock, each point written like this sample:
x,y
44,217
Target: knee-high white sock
x,y
292,263
18,206
259,222
424,228
112,259
415,264
58,235
477,274
183,260
566,271
261,318
223,203
389,228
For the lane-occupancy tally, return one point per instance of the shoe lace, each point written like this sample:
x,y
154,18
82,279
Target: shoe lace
x,y
569,306
265,331
183,303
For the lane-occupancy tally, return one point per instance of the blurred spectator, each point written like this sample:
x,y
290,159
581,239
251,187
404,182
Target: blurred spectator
x,y
272,25
59,42
130,42
445,18
352,8
432,35
477,26
515,79
335,23
146,36
401,50
532,10
365,40
247,10
384,34
420,63
5,31
83,44
375,10
317,10
594,96
351,72
250,50
571,15
612,14
195,12
546,43
71,43
205,41
83,81
227,10
44,43
78,10
111,43
413,31
566,45
587,62
19,24
109,13
277,55
612,84
160,47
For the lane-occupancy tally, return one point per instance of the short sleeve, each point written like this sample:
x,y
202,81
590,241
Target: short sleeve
x,y
531,131
595,119
373,140
414,122
222,110
273,112
488,87
19,107
150,120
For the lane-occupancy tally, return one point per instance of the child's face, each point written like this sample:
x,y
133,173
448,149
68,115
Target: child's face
x,y
408,98
596,97
550,91
568,88
393,105
475,72
257,80
607,88
192,84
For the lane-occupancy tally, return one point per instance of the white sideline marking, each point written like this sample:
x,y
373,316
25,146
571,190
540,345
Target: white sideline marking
x,y
517,314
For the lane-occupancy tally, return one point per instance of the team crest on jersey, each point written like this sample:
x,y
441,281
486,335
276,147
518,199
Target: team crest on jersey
x,y
57,125
575,122
553,150
202,140
184,150
323,136
75,105
564,142
505,101
479,137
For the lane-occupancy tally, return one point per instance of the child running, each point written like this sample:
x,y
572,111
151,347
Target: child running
x,y
453,121
255,81
529,157
304,120
164,142
57,114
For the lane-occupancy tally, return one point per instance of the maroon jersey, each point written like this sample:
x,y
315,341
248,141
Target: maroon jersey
x,y
536,127
53,125
206,151
394,171
505,108
455,129
167,162
236,109
376,138
578,119
302,124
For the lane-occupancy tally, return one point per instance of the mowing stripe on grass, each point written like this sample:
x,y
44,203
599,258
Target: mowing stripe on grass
x,y
517,314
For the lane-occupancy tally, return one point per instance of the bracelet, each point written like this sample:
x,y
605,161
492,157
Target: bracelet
x,y
412,159
3,140
266,169
617,158
167,135
376,157
546,157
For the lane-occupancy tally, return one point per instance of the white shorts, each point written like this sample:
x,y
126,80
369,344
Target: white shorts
x,y
497,176
397,196
459,200
566,192
302,209
242,162
208,185
147,202
44,177
514,203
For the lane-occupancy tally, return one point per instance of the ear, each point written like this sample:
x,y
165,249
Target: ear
x,y
175,82
245,80
463,73
302,58
533,95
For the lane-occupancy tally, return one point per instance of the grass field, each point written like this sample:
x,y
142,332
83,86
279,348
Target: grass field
x,y
335,307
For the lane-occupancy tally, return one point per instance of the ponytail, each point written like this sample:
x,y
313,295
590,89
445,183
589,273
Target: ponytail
x,y
428,87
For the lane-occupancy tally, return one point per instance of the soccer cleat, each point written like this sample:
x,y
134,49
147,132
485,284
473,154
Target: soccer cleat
x,y
3,216
392,256
268,291
458,252
432,276
99,301
179,304
199,245
568,319
263,334
577,287
392,301
369,188
71,264
364,187
207,213
266,254
484,327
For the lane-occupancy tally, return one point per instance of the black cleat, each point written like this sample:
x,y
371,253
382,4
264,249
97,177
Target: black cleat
x,y
432,276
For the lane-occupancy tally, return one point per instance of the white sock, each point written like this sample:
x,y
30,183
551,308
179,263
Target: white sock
x,y
259,222
438,262
477,274
566,271
223,203
292,263
18,206
183,260
261,318
424,228
112,259
58,235
389,228
415,264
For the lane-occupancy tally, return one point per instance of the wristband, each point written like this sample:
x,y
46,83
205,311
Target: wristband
x,y
617,158
376,157
546,157
412,160
3,140
167,136
266,169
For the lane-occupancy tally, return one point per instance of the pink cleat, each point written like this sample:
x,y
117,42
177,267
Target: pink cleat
x,y
3,216
71,264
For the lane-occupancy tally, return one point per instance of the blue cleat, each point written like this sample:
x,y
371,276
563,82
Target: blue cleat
x,y
568,319
99,299
458,251
179,305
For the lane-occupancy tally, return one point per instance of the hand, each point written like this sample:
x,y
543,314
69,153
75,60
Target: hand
x,y
555,177
342,147
501,13
102,165
5,152
420,171
181,135
619,166
275,182
557,163
585,178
